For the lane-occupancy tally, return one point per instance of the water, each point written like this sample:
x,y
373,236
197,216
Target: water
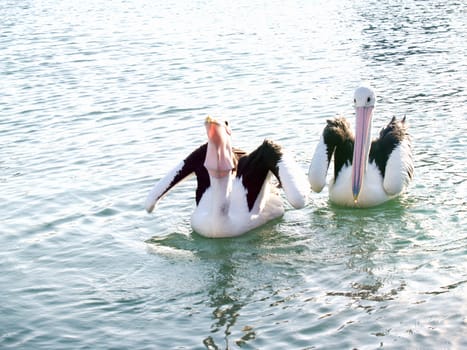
x,y
100,99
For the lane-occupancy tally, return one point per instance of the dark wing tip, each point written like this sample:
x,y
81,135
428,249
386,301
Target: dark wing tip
x,y
338,122
338,129
396,127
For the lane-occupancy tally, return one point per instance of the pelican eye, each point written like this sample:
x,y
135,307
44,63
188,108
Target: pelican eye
x,y
226,123
354,100
368,99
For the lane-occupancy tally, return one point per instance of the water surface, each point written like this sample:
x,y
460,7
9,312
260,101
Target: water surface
x,y
98,100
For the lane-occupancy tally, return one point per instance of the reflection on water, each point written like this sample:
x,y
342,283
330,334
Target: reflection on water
x,y
226,295
225,305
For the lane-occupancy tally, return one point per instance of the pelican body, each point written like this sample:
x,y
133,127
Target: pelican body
x,y
234,193
366,173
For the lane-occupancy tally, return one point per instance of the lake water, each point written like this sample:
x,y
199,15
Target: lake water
x,y
99,99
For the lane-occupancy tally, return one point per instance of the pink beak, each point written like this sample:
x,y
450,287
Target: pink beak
x,y
361,148
219,161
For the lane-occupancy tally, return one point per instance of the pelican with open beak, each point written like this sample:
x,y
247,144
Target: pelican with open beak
x,y
234,193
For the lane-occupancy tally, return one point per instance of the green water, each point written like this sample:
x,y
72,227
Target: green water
x,y
98,100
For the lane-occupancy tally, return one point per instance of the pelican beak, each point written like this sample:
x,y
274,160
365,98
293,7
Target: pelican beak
x,y
361,148
210,120
219,156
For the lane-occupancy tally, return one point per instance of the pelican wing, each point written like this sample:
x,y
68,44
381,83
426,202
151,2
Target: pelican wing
x,y
253,169
337,139
191,164
392,153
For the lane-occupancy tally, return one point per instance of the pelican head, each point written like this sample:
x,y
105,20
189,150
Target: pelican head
x,y
364,103
219,156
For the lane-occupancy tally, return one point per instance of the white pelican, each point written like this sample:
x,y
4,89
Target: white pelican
x,y
234,193
366,173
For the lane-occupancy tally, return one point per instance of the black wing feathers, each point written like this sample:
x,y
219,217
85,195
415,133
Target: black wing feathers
x,y
254,167
193,164
339,140
389,138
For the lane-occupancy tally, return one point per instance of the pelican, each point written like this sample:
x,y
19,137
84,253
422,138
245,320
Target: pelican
x,y
366,173
234,193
